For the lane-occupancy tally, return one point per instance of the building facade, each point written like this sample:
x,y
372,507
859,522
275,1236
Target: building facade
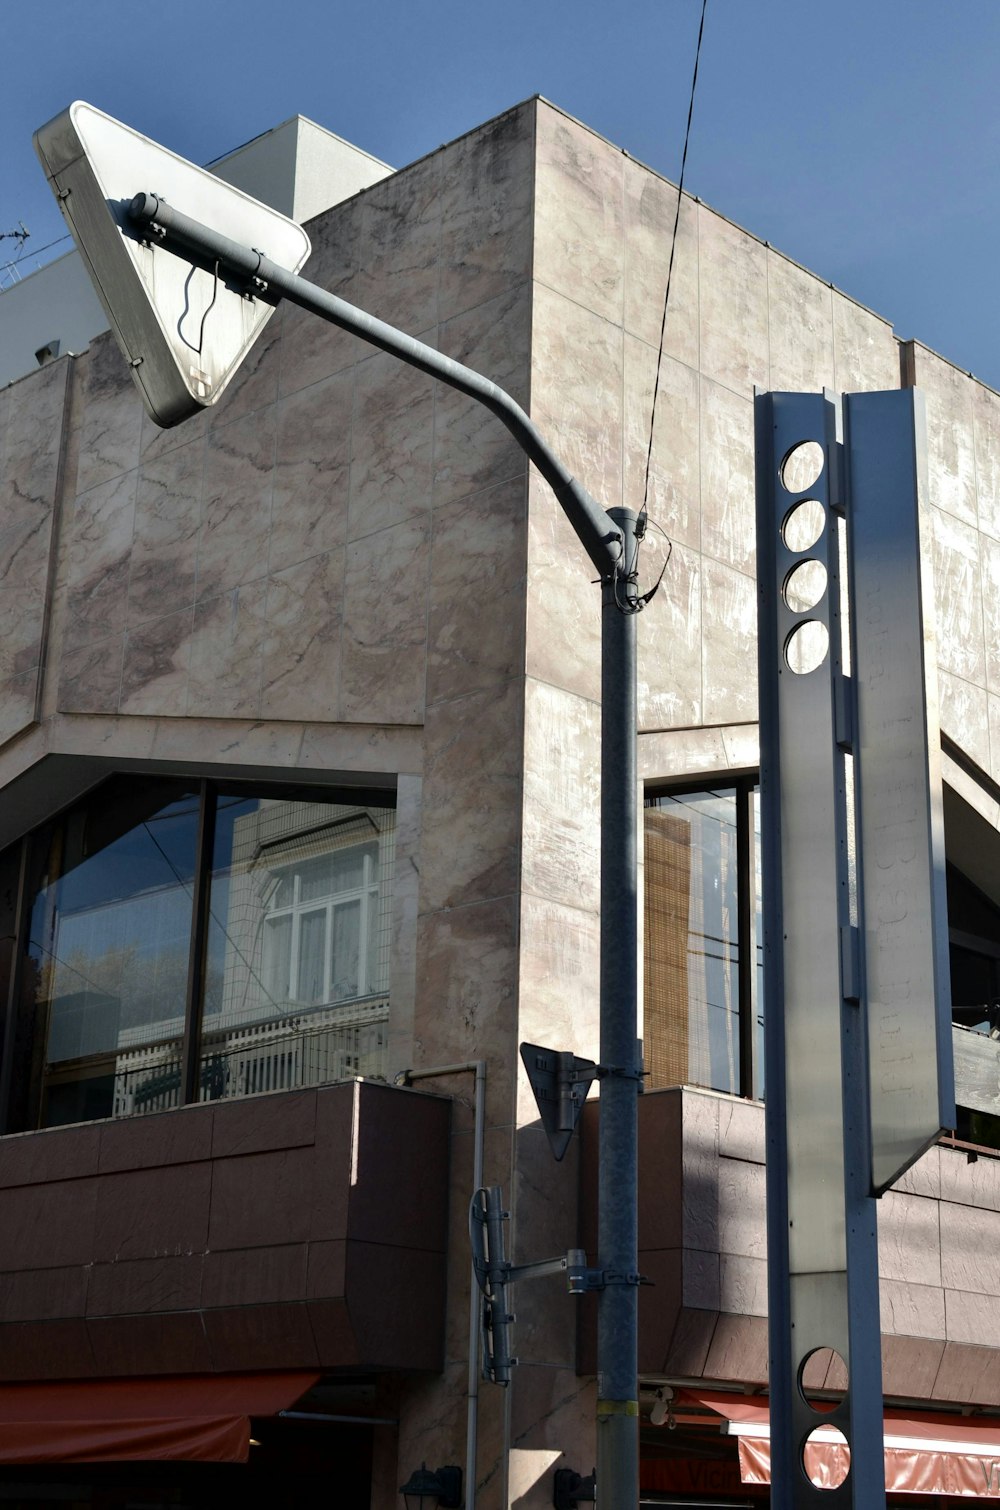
x,y
299,836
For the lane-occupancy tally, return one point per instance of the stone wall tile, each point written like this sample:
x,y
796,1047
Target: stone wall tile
x,y
965,719
236,505
986,432
964,1184
100,545
391,446
476,623
950,433
563,633
800,328
90,678
311,471
165,539
301,647
866,352
385,626
472,449
728,522
486,206
311,348
471,798
732,278
669,640
254,387
155,665
729,644
970,1250
650,211
560,840
958,595
674,495
399,257
225,658
742,1285
576,391
911,1310
558,984
909,1245
112,420
972,1318
579,214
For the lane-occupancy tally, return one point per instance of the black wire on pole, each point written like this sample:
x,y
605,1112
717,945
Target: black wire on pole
x,y
670,266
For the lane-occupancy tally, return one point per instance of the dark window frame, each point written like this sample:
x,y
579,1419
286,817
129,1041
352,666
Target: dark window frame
x,y
20,1107
745,784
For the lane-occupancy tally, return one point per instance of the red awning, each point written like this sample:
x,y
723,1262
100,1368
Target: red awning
x,y
924,1453
200,1418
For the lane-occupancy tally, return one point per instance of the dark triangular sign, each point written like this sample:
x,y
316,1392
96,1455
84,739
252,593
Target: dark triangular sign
x,y
560,1082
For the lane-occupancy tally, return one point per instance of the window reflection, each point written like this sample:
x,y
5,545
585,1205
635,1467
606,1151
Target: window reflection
x,y
702,1002
196,944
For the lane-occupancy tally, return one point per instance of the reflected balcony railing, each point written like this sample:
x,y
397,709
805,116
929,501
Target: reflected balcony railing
x,y
290,1052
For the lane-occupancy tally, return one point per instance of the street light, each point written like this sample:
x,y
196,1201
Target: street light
x,y
423,1488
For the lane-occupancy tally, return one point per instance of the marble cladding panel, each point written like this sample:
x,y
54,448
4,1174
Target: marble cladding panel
x,y
970,1250
552,1426
993,744
543,1222
475,633
669,642
800,328
300,672
100,531
255,385
965,719
471,798
466,1005
558,990
579,214
563,635
911,1310
311,348
392,445
950,433
650,211
733,314
673,497
385,625
155,664
112,422
910,1243
33,418
986,425
399,258
576,390
164,548
728,519
224,674
560,839
486,204
472,449
432,1425
989,561
729,644
90,678
866,352
311,472
405,906
958,594
236,504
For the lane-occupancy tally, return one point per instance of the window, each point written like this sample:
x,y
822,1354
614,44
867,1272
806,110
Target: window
x,y
702,954
192,941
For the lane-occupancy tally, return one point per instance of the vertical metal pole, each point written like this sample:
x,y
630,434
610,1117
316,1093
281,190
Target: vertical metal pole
x,y
617,1315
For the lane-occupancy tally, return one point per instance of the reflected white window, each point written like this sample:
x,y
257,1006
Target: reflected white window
x,y
322,927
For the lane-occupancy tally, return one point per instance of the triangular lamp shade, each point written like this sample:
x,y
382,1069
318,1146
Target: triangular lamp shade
x,y
182,329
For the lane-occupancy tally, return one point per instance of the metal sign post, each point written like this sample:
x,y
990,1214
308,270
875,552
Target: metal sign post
x,y
610,539
856,1002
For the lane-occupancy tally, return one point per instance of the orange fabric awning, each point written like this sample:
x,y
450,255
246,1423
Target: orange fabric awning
x,y
924,1453
200,1418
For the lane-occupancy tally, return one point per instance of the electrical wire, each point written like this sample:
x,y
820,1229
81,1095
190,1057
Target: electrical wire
x,y
670,265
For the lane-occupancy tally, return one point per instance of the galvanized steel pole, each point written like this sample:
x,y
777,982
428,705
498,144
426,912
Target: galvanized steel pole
x,y
610,541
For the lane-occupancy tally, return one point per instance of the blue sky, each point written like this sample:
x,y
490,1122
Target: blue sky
x,y
861,137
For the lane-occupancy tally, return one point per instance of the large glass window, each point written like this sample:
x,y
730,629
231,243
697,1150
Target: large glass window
x,y
190,941
702,954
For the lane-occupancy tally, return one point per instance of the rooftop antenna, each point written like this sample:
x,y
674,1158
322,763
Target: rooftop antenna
x,y
8,270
